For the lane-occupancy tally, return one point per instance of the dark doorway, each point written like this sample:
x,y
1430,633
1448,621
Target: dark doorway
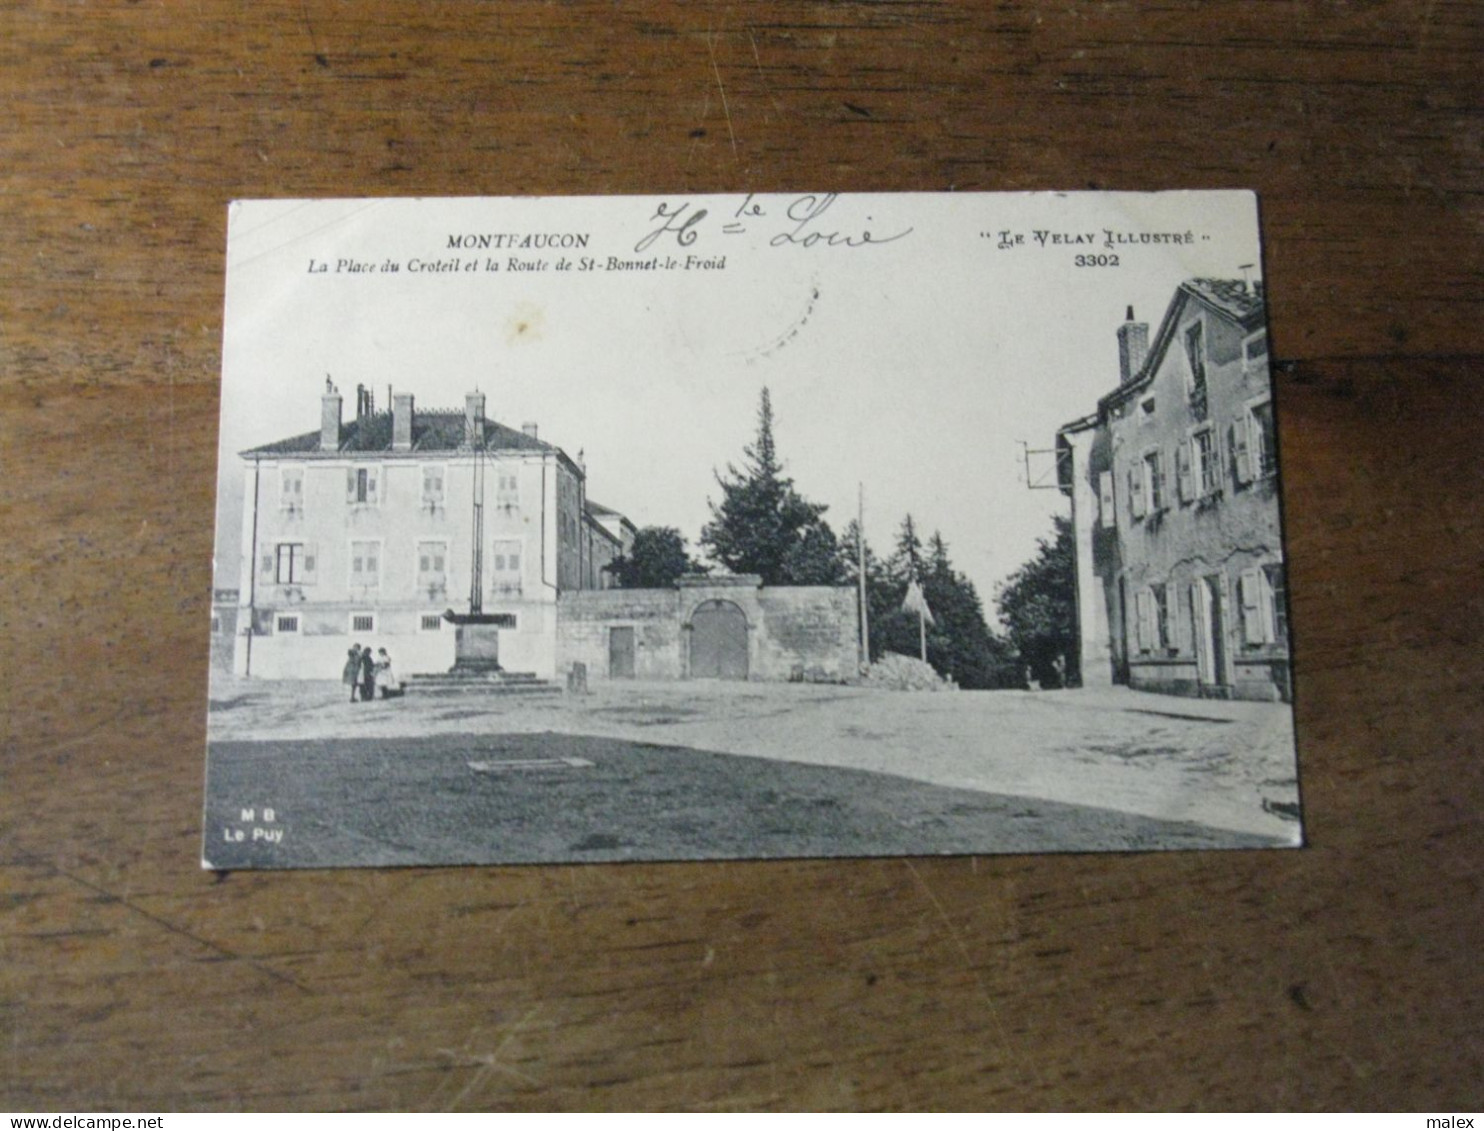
x,y
718,642
620,653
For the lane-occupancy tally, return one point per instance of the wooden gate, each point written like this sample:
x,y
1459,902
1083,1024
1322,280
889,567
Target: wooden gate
x,y
718,641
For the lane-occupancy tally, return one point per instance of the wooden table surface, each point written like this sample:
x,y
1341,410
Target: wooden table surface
x,y
1345,975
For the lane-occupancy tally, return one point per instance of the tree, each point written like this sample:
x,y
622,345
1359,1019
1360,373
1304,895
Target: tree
x,y
763,526
657,558
960,644
1038,603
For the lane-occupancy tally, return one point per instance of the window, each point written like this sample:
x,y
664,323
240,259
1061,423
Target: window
x,y
363,622
286,624
1163,637
507,489
361,486
290,568
365,564
431,622
1153,627
1146,410
1195,355
1146,485
432,566
1278,594
291,490
216,623
1255,442
505,564
287,563
1154,482
432,486
1205,463
1263,598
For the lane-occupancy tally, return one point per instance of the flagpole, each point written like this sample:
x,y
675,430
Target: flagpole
x,y
860,547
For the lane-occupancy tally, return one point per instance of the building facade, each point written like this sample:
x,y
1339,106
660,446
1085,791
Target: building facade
x,y
1175,510
403,529
454,541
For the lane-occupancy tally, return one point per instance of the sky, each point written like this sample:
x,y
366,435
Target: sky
x,y
908,347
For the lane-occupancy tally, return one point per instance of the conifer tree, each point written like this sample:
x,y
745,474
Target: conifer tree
x,y
762,525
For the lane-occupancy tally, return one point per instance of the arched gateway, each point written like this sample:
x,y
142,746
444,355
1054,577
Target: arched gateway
x,y
718,641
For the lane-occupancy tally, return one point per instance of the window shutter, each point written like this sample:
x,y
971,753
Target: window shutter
x,y
1136,490
1182,470
1200,618
1141,620
1105,498
1218,459
1242,448
1157,491
371,477
311,562
265,568
1249,596
350,485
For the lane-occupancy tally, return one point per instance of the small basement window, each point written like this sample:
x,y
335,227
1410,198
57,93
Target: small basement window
x,y
363,622
432,622
287,624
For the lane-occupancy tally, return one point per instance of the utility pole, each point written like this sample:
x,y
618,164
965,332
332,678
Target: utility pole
x,y
860,548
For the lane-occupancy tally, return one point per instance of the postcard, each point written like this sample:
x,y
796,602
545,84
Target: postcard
x,y
746,526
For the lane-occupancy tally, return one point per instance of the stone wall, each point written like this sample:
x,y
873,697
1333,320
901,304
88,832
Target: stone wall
x,y
794,632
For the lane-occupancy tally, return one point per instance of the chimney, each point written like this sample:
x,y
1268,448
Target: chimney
x,y
401,422
529,428
473,414
1133,347
329,419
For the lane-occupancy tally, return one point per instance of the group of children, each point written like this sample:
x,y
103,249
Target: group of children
x,y
364,673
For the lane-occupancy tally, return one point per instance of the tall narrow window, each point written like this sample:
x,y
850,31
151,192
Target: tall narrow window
x,y
1154,482
1207,466
1163,637
361,486
1195,354
432,486
1277,595
1262,440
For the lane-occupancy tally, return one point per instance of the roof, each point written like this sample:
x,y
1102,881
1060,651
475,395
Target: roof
x,y
1234,299
437,430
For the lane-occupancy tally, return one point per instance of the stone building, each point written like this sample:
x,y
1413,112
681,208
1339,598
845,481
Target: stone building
x,y
435,533
1173,481
450,539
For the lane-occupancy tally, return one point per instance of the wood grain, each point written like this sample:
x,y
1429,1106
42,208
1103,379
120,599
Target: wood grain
x,y
1342,976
